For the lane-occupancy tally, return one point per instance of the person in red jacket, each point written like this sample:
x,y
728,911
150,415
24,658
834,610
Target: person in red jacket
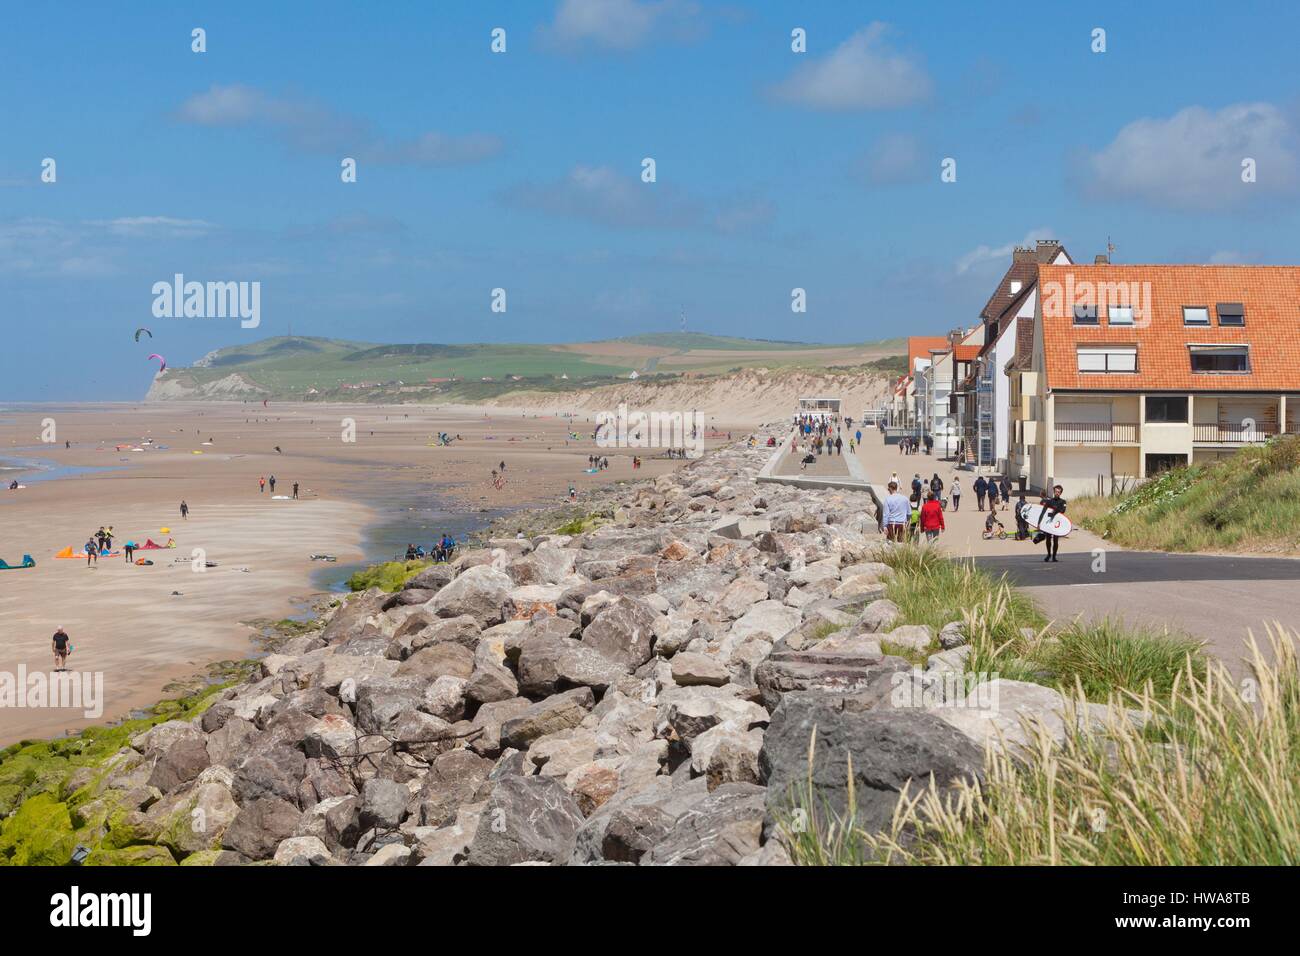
x,y
931,518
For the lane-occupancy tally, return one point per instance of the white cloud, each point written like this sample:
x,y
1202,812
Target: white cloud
x,y
620,24
311,127
862,73
982,255
1193,159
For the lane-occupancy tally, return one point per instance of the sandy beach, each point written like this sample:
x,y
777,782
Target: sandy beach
x,y
129,622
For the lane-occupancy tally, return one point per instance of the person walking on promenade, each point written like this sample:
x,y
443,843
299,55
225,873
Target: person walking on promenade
x,y
895,514
981,487
931,520
1053,505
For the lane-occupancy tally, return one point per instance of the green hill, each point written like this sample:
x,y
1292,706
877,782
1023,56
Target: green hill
x,y
301,367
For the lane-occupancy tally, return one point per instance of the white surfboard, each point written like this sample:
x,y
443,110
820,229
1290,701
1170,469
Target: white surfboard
x,y
1038,517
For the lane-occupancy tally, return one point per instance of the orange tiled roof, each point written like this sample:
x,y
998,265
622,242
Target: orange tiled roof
x,y
1270,296
919,346
967,353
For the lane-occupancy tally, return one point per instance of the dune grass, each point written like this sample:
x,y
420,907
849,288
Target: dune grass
x,y
1213,779
1249,502
1009,637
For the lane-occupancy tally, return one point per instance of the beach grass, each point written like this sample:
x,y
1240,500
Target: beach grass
x,y
1009,637
1211,777
1247,502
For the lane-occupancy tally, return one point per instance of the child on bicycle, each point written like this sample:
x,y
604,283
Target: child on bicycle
x,y
992,520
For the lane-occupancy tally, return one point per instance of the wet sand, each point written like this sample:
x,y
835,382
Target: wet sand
x,y
125,620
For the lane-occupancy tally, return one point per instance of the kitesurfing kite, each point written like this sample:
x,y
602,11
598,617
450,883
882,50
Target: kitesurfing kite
x,y
162,367
144,330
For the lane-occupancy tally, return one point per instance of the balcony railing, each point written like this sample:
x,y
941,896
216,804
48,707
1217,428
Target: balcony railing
x,y
1096,433
1233,435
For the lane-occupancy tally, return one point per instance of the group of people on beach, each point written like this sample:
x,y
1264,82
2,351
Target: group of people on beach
x,y
442,550
263,481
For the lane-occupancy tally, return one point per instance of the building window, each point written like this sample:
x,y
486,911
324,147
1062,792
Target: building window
x,y
1160,463
1196,315
1107,358
1167,408
1231,313
1220,358
1120,315
1085,315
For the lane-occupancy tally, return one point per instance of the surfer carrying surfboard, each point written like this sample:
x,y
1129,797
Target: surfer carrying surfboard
x,y
1053,505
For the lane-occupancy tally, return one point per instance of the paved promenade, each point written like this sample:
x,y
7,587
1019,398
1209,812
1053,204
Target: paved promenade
x,y
1216,598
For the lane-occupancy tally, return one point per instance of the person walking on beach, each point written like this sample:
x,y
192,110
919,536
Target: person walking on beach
x,y
955,493
92,552
129,550
185,511
62,647
261,485
295,490
931,519
273,484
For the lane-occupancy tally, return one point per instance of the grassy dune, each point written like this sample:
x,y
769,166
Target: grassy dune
x,y
1249,502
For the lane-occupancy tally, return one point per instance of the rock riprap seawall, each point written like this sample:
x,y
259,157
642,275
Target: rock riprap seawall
x,y
641,693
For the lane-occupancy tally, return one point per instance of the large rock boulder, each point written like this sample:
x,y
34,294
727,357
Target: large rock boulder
x,y
624,631
771,618
724,828
526,820
260,826
889,749
548,716
843,663
480,592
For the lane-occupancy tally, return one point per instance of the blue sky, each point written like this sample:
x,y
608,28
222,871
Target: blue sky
x,y
521,170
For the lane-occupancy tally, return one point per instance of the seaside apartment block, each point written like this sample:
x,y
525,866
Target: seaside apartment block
x,y
1124,371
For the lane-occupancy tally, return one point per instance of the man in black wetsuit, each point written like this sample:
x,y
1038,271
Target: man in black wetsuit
x,y
1052,505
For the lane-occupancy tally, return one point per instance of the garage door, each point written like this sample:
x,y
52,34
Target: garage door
x,y
1077,470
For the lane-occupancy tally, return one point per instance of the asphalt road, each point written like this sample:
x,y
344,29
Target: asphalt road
x,y
1215,598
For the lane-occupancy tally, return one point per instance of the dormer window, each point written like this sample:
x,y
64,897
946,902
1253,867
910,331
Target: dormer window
x,y
1196,315
1120,315
1085,315
1016,286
